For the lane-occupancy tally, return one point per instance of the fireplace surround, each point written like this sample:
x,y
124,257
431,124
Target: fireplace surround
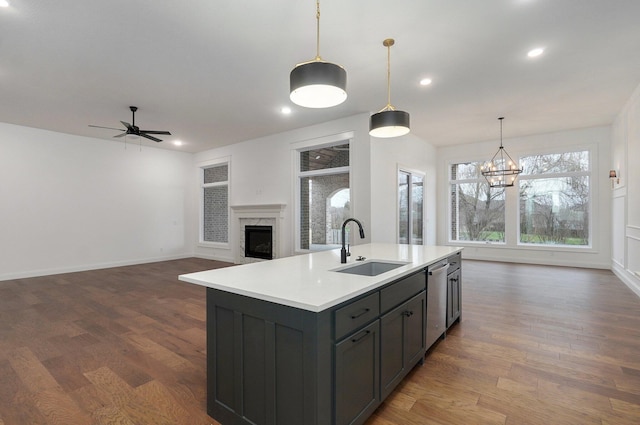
x,y
257,215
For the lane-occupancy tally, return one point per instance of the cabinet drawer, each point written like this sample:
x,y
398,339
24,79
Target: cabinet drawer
x,y
454,262
356,314
402,290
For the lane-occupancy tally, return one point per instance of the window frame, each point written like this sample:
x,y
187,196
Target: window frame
x,y
590,174
202,186
411,172
480,179
297,175
512,202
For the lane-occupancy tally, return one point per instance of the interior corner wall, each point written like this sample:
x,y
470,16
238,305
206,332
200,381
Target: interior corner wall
x,y
261,172
387,155
599,256
72,203
625,209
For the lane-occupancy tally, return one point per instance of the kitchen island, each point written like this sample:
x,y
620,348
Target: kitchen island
x,y
298,340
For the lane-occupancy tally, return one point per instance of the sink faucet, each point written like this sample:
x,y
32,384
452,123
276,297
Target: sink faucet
x,y
343,251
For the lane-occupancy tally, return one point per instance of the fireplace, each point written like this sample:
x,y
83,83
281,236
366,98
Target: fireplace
x,y
268,215
258,242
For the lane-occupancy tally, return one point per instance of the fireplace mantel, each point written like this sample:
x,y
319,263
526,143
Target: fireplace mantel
x,y
258,214
259,208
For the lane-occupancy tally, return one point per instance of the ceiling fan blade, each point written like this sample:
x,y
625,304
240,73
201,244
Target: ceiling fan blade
x,y
126,124
121,135
155,139
155,132
109,128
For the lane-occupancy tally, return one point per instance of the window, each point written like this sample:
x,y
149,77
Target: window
x,y
555,199
550,205
215,203
324,195
410,207
477,212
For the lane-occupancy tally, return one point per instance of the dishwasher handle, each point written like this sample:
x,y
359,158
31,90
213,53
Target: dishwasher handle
x,y
439,269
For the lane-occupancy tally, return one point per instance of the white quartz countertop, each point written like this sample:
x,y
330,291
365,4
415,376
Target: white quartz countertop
x,y
310,281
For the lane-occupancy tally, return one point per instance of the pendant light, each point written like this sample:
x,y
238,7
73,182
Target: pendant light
x,y
389,122
501,171
316,83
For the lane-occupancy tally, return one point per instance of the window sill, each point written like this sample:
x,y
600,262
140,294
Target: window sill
x,y
526,247
217,245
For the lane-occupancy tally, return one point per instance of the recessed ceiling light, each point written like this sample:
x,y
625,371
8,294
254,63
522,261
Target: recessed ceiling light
x,y
4,3
425,81
533,53
285,110
177,142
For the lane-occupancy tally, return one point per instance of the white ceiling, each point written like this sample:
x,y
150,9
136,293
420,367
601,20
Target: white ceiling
x,y
216,73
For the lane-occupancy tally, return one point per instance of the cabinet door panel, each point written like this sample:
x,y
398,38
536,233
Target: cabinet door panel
x,y
402,341
415,329
454,285
357,379
391,349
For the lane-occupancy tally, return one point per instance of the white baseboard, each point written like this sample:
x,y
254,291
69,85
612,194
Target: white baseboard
x,y
86,267
466,254
631,279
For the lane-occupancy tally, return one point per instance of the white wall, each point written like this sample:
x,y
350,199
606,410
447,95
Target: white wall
x,y
625,159
387,155
599,256
73,203
262,173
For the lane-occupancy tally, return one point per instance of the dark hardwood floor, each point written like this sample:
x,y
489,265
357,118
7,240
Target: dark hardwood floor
x,y
536,345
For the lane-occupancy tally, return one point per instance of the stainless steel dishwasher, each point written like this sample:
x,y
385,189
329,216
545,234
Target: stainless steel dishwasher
x,y
436,301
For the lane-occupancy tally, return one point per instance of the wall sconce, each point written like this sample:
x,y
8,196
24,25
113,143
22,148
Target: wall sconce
x,y
613,176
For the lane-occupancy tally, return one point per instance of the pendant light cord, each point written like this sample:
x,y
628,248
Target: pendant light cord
x,y
388,76
501,118
388,43
318,30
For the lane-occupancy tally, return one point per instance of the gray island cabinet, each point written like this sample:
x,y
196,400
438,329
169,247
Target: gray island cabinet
x,y
295,341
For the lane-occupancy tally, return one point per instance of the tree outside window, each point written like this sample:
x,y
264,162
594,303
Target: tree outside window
x,y
410,207
477,211
555,199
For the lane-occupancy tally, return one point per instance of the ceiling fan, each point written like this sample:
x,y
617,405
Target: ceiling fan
x,y
133,130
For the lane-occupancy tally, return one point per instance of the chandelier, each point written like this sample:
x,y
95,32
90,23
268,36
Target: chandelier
x,y
501,170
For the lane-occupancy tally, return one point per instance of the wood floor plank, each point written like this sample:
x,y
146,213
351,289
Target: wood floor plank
x,y
59,408
67,372
110,416
31,372
16,402
158,395
117,393
160,353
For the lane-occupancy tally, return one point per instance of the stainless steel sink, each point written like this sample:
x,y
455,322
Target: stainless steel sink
x,y
370,268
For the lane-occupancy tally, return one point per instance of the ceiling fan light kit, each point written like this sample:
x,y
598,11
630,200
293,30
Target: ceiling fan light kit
x,y
317,83
389,122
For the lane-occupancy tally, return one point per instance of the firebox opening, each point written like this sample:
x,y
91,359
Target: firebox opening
x,y
258,242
